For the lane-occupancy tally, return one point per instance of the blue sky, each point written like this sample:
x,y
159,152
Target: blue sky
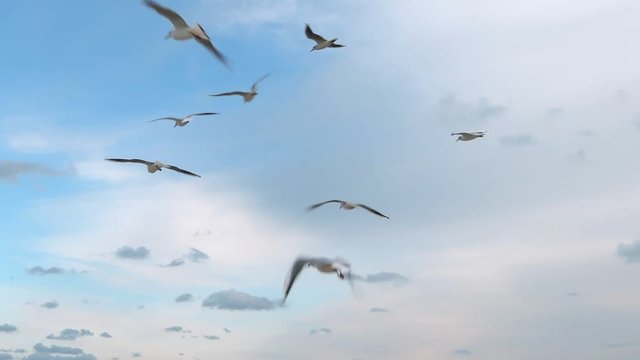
x,y
523,244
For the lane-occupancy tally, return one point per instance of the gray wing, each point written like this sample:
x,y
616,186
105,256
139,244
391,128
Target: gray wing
x,y
313,36
373,210
296,269
241,93
207,43
175,168
462,134
203,114
254,87
165,118
139,161
315,206
334,45
177,21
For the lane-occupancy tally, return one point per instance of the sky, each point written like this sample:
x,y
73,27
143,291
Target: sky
x,y
523,244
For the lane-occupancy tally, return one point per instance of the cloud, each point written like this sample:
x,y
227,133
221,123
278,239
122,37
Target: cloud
x,y
184,298
462,352
136,354
50,305
378,310
236,300
178,329
226,330
6,328
322,330
5,356
196,255
382,277
43,352
70,334
453,111
555,111
106,335
38,270
517,140
211,337
573,294
175,263
128,252
11,170
631,252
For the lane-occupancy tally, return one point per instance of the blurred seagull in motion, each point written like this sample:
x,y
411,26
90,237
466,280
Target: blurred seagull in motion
x,y
468,136
324,265
153,166
247,96
182,31
347,206
183,121
321,43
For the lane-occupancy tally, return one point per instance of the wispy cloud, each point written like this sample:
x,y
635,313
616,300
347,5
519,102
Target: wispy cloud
x,y
6,328
211,337
462,352
178,329
11,170
322,330
106,335
517,140
452,111
50,305
196,255
236,300
630,252
128,252
184,298
382,277
378,310
70,334
43,352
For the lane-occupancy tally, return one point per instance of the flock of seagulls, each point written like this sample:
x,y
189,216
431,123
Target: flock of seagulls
x,y
182,31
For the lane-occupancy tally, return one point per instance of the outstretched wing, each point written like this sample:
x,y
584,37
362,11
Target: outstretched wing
x,y
313,36
177,21
241,93
296,269
334,45
203,114
254,87
139,161
315,206
372,210
175,168
206,42
165,118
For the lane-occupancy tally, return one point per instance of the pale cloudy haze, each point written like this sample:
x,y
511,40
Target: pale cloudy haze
x,y
524,244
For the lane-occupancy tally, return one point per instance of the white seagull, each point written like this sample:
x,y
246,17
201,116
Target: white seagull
x,y
182,31
468,136
183,121
321,43
324,265
247,96
347,206
153,166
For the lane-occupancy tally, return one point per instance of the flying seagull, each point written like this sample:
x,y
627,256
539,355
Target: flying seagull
x,y
324,265
182,31
247,96
153,166
183,121
348,206
321,43
468,136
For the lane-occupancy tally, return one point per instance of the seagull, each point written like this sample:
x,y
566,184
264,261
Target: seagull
x,y
247,96
182,31
153,166
324,265
468,136
321,42
348,206
183,121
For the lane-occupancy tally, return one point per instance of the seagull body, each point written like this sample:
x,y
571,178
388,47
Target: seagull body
x,y
183,121
246,95
153,166
182,31
321,43
338,266
348,206
468,136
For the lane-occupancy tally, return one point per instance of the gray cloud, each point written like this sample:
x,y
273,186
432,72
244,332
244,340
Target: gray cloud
x,y
462,352
226,330
175,263
631,252
178,329
106,335
236,300
136,354
378,310
11,170
6,328
5,356
383,277
211,337
196,255
50,305
70,334
128,252
517,140
453,111
573,294
184,298
38,270
53,352
555,111
322,330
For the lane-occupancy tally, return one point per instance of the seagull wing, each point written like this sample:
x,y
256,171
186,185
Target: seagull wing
x,y
334,45
206,42
315,206
175,168
254,87
241,93
313,36
373,210
296,269
177,21
139,161
203,114
165,118
462,134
